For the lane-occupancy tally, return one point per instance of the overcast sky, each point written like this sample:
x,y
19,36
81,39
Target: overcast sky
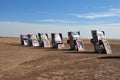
x,y
33,16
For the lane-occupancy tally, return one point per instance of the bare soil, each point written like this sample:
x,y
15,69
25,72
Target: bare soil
x,y
19,62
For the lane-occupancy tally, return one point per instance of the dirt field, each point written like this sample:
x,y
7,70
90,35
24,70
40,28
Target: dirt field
x,y
19,62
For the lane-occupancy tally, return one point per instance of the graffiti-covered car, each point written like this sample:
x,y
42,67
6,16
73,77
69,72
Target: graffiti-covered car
x,y
75,41
57,40
101,45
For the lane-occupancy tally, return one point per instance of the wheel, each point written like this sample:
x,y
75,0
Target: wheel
x,y
92,41
68,41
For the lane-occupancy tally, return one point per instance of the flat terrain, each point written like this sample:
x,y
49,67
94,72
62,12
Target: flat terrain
x,y
19,62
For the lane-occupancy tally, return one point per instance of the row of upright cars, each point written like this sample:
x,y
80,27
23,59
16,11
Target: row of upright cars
x,y
43,40
101,45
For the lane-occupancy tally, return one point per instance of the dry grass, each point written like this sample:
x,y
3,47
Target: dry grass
x,y
19,62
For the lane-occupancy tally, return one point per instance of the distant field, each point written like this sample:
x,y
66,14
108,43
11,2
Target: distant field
x,y
19,62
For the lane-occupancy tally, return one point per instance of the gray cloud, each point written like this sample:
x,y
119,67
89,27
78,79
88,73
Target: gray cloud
x,y
16,28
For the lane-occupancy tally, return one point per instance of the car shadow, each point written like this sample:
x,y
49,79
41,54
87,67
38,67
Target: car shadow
x,y
55,49
109,57
13,44
18,45
78,52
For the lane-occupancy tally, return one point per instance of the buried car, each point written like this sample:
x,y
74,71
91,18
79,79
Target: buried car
x,y
57,40
34,40
44,40
25,40
101,45
75,41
